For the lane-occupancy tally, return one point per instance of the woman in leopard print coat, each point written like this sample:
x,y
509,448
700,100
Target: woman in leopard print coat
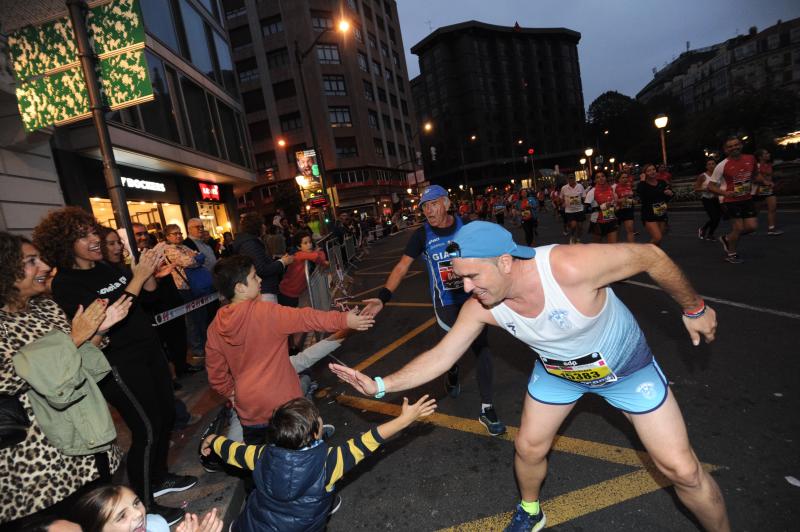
x,y
34,475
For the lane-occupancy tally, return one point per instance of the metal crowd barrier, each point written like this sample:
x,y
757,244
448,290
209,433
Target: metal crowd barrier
x,y
350,248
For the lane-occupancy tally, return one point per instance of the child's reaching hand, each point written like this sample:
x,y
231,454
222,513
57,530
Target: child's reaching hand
x,y
359,322
205,448
422,408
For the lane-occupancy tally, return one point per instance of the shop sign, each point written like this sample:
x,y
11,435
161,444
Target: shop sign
x,y
143,184
318,201
209,191
50,84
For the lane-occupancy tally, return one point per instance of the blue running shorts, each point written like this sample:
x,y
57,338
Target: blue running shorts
x,y
638,393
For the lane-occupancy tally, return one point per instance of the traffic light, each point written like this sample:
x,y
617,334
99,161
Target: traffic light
x,y
530,151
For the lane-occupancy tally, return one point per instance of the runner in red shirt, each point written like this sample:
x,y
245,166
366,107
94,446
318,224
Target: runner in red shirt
x,y
624,192
733,179
603,201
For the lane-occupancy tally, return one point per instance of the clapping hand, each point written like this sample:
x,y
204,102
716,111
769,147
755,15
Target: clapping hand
x,y
86,322
210,522
359,321
115,313
148,260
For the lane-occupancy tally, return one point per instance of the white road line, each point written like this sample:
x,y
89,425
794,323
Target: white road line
x,y
726,302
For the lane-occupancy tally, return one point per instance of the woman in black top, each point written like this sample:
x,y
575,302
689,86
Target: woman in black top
x,y
654,196
140,388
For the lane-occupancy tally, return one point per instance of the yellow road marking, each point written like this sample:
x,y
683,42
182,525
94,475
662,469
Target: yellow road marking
x,y
394,345
646,479
377,265
409,274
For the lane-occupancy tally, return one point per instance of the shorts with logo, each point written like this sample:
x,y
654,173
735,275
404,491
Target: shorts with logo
x,y
739,209
641,392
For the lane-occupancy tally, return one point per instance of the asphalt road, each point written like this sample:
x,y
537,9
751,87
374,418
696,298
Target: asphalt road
x,y
739,396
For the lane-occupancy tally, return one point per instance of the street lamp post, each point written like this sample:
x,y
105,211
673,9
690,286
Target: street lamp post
x,y
343,26
661,122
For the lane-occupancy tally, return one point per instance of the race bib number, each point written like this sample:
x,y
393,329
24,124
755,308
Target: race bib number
x,y
450,280
526,214
763,190
741,188
588,369
660,209
625,203
609,213
574,201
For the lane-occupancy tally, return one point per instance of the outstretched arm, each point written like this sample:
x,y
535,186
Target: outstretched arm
x,y
430,364
615,262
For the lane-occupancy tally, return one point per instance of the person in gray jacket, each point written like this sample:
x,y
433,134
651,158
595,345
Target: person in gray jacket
x,y
248,242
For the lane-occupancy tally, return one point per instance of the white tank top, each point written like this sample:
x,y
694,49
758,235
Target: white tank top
x,y
562,334
705,193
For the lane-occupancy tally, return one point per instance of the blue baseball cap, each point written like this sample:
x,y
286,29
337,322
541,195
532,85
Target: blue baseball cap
x,y
431,193
485,239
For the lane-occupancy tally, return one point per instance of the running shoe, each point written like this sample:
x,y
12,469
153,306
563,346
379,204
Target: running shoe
x,y
337,503
522,521
774,232
451,384
173,483
488,419
733,258
724,241
700,233
171,515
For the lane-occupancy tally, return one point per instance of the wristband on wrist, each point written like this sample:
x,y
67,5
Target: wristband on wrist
x,y
385,295
696,312
381,388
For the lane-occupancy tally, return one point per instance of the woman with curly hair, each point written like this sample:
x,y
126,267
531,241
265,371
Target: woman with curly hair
x,y
141,389
40,474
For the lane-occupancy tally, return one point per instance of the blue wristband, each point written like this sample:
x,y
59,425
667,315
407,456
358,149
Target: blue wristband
x,y
381,388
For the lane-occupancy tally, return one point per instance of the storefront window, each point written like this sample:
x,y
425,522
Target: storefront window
x,y
200,118
230,132
215,218
155,216
158,115
158,20
197,39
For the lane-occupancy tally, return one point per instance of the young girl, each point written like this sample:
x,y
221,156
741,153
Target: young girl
x,y
294,280
118,509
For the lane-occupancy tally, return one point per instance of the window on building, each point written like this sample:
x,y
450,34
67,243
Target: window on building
x,y
404,107
197,39
367,11
362,62
382,95
253,101
283,90
321,20
346,147
357,33
372,40
398,126
352,4
265,161
328,54
379,22
234,142
224,63
376,68
392,37
400,83
369,92
259,130
278,58
340,116
291,122
391,149
393,100
334,85
240,38
271,25
158,116
247,70
388,75
233,8
373,119
159,21
378,143
201,123
395,58
387,122
384,50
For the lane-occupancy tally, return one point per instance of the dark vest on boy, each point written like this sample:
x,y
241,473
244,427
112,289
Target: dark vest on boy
x,y
290,492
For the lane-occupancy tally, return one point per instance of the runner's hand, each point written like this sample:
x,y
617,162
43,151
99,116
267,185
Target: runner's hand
x,y
705,325
85,322
209,523
359,322
373,306
422,408
116,312
355,378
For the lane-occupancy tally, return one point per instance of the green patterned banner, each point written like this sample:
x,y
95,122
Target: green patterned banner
x,y
51,87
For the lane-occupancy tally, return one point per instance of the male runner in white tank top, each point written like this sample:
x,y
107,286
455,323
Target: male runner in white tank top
x,y
588,342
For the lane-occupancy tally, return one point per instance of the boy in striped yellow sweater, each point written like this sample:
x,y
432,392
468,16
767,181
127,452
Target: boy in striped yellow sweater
x,y
295,475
